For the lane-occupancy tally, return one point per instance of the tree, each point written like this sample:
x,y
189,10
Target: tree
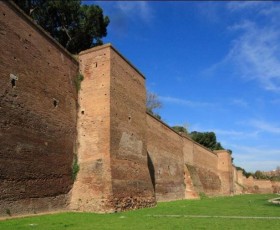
x,y
76,27
153,103
259,175
207,139
246,174
180,129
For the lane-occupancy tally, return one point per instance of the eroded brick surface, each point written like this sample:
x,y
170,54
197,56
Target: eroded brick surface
x,y
165,148
37,117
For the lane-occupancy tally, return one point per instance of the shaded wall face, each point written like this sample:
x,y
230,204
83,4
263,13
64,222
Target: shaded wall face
x,y
92,190
203,157
131,182
37,117
201,165
165,150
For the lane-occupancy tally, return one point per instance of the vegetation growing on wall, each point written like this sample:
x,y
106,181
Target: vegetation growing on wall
x,y
75,167
246,174
79,78
74,25
180,129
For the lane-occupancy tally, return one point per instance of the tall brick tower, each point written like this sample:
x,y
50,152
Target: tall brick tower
x,y
112,151
226,172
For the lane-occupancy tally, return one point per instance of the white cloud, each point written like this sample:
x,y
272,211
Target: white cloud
x,y
245,5
253,165
254,53
236,134
255,158
184,102
139,9
264,126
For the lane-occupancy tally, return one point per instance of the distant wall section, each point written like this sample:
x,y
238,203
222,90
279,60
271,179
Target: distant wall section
x,y
165,153
202,165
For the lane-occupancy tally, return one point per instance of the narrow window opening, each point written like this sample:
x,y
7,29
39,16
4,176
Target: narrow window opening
x,y
83,112
13,81
55,103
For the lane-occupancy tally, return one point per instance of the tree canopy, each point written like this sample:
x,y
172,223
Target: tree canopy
x,y
180,129
75,26
207,139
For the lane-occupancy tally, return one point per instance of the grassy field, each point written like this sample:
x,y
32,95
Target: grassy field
x,y
238,212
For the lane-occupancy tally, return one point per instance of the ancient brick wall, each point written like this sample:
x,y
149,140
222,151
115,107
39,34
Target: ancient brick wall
x,y
203,157
238,187
93,189
263,186
225,171
275,186
37,116
126,156
131,181
202,166
165,151
112,150
251,185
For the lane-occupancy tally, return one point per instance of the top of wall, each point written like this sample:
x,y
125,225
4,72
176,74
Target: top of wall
x,y
109,45
40,30
182,135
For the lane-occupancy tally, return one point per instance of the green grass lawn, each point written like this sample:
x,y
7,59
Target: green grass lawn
x,y
209,213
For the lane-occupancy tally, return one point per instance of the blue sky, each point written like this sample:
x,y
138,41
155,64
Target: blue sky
x,y
214,65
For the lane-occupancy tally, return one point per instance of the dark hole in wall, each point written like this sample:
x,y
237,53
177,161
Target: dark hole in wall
x,y
83,112
151,171
13,82
55,103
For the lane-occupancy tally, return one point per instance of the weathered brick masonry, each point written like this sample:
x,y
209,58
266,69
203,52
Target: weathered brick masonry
x,y
128,159
112,135
37,116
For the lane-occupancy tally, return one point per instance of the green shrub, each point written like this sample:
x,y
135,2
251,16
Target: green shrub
x,y
79,78
75,167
